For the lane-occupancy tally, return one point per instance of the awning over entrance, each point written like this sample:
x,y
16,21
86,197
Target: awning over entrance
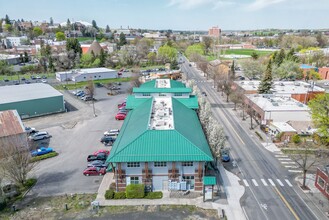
x,y
209,180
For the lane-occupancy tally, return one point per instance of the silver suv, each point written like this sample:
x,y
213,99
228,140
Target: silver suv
x,y
39,135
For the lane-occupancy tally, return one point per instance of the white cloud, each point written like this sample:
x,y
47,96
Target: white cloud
x,y
190,4
259,4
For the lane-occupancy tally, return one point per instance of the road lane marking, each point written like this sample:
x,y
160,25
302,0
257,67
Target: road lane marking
x,y
280,155
295,171
271,181
288,182
286,203
284,159
288,162
245,182
255,182
291,166
264,182
280,183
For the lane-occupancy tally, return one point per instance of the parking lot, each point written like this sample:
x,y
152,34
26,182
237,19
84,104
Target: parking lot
x,y
75,135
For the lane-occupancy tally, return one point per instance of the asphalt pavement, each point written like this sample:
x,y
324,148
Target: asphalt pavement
x,y
271,191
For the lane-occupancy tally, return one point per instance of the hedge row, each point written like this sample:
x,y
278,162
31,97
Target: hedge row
x,y
133,191
45,156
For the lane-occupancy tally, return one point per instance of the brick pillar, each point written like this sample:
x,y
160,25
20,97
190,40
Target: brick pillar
x,y
198,176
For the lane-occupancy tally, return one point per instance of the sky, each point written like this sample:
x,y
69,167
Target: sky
x,y
176,14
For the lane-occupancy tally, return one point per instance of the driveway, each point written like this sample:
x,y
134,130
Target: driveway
x,y
75,135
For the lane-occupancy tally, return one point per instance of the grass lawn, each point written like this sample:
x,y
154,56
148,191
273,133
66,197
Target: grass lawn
x,y
72,85
27,76
81,39
247,52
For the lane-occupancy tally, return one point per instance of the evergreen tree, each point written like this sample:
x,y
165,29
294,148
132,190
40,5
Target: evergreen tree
x,y
7,20
280,57
232,72
266,83
26,57
102,57
123,40
94,24
73,44
107,29
68,24
51,21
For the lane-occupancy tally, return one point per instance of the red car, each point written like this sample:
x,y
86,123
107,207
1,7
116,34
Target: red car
x,y
107,152
120,116
94,171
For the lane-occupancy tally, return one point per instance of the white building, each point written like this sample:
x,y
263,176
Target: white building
x,y
11,42
79,75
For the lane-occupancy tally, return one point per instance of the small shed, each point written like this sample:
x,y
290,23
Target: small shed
x,y
208,187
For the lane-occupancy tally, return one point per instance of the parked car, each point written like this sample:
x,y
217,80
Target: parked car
x,y
107,152
225,156
123,104
123,111
42,151
86,98
16,82
204,93
30,130
27,82
38,77
33,77
98,163
107,140
23,79
112,132
39,135
99,156
120,116
326,84
44,77
76,91
94,171
80,93
6,80
44,81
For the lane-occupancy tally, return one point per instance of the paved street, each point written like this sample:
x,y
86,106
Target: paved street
x,y
271,192
75,135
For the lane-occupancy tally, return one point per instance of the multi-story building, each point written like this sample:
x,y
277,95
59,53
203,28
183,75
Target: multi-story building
x,y
11,42
161,143
214,31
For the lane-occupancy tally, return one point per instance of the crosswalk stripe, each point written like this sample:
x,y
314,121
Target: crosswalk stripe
x,y
284,159
295,171
291,166
264,182
288,182
245,182
288,162
279,181
271,181
280,155
255,182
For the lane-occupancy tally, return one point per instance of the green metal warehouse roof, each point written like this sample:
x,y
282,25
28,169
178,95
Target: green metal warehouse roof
x,y
163,90
173,84
133,102
18,93
136,143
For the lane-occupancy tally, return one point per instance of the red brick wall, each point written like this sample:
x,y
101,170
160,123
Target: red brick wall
x,y
324,176
324,72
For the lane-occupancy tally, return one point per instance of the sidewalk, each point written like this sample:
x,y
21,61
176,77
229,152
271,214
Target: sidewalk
x,y
232,188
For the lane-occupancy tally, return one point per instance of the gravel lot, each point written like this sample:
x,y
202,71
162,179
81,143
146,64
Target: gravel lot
x,y
75,135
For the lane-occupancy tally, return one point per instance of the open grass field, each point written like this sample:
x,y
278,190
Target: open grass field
x,y
26,76
247,52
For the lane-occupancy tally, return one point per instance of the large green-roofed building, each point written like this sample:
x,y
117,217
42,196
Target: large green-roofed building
x,y
161,144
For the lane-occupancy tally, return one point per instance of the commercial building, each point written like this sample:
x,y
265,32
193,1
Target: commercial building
x,y
214,31
275,108
10,59
324,73
322,180
161,144
298,90
79,75
11,42
31,100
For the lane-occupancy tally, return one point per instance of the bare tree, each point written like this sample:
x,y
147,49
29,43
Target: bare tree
x,y
16,161
236,97
306,157
251,112
90,90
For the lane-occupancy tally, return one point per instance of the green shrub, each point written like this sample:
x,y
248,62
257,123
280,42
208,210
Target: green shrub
x,y
109,194
153,195
120,195
112,186
296,139
45,156
30,182
135,191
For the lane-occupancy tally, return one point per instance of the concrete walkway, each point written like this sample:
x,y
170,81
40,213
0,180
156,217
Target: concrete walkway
x,y
231,207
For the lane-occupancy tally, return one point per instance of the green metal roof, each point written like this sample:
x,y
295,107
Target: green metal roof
x,y
162,90
173,84
133,102
209,180
136,143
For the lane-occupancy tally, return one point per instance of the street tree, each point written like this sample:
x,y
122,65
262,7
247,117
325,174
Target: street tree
x,y
236,97
167,54
15,162
306,158
287,70
266,82
320,115
252,68
60,36
90,90
151,56
216,139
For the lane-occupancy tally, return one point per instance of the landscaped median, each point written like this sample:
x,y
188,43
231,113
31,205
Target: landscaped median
x,y
133,191
43,157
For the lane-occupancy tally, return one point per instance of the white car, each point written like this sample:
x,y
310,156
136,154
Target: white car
x,y
326,84
44,81
40,136
112,132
